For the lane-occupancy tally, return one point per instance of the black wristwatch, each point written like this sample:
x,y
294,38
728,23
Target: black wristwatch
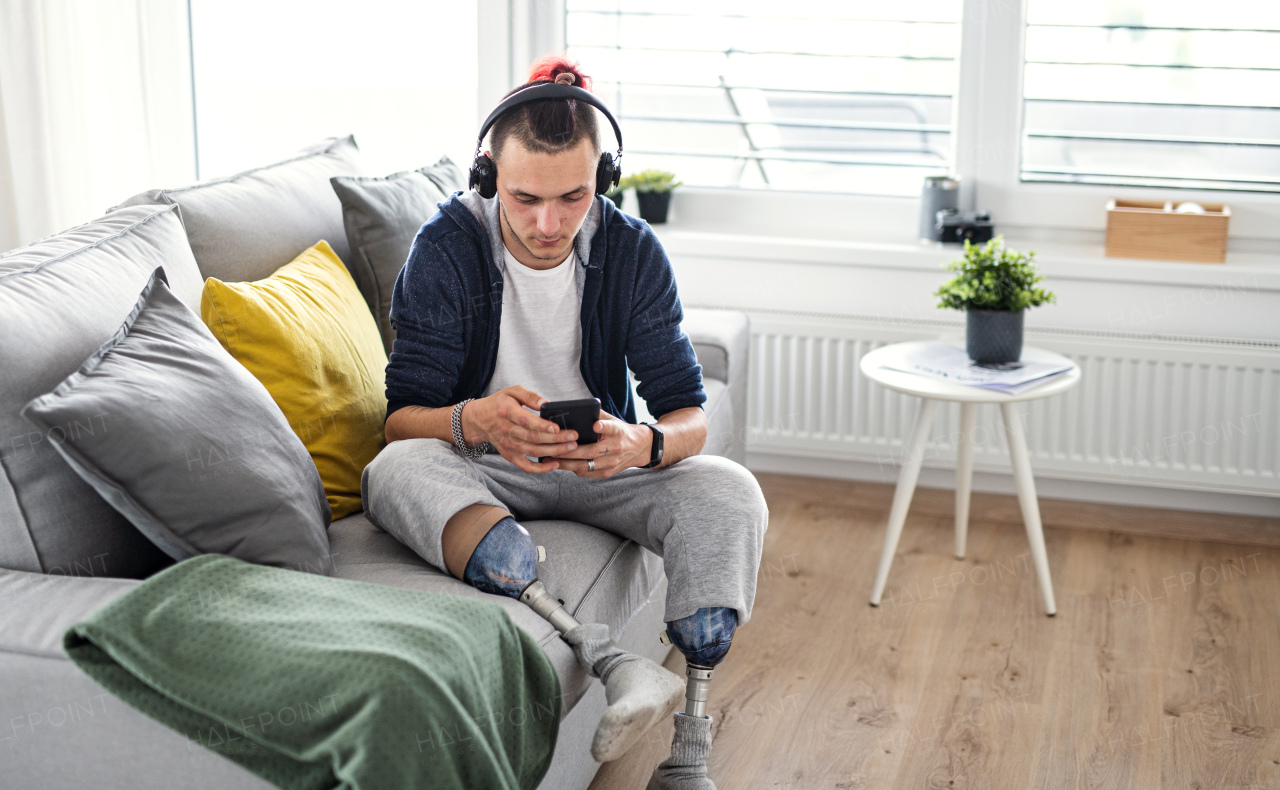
x,y
655,455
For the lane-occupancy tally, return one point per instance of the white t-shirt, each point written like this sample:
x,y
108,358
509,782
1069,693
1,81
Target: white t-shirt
x,y
540,340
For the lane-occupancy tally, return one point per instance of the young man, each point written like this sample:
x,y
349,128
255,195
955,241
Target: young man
x,y
530,289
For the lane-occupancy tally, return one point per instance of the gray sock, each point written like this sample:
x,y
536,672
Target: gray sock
x,y
596,651
639,693
686,768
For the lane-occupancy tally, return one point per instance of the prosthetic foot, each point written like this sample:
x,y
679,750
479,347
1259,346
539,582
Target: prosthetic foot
x,y
704,638
639,693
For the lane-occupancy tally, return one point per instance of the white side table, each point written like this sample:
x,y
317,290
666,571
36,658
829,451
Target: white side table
x,y
931,391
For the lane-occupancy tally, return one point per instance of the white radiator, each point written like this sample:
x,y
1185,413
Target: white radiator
x,y
1191,413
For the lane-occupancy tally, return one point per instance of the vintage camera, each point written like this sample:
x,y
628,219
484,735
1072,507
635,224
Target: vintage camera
x,y
956,226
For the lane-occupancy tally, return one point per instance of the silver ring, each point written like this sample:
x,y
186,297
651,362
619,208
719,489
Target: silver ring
x,y
591,465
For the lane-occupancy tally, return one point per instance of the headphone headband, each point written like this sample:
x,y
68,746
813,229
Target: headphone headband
x,y
547,90
483,176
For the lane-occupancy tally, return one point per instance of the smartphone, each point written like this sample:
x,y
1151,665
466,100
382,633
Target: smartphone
x,y
574,415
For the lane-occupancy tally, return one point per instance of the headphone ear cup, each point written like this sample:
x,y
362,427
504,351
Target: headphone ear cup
x,y
608,173
483,177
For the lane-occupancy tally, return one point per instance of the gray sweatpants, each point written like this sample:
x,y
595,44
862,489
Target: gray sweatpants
x,y
705,515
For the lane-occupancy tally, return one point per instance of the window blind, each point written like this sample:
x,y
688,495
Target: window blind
x,y
807,95
1159,93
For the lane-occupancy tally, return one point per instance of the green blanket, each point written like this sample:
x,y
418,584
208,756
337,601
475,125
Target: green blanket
x,y
314,682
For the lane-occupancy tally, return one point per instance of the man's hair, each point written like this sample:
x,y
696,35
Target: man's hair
x,y
548,126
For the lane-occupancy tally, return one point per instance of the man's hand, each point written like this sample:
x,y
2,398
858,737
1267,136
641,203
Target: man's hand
x,y
502,420
621,446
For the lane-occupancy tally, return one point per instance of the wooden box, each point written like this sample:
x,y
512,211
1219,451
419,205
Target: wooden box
x,y
1151,229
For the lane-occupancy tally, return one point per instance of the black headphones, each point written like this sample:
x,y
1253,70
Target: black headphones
x,y
483,177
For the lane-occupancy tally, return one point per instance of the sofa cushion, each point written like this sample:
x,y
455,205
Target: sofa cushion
x,y
305,334
246,226
39,608
599,576
187,444
382,216
60,300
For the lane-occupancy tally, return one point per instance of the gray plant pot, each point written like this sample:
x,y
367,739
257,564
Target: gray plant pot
x,y
994,337
654,206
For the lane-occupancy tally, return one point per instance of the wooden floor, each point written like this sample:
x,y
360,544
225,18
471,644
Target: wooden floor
x,y
1161,669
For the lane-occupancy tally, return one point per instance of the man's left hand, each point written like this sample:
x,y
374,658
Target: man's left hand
x,y
621,446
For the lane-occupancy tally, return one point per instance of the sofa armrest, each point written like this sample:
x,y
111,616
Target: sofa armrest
x,y
721,340
36,609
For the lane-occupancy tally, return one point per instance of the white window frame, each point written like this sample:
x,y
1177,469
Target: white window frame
x,y
511,34
986,148
993,35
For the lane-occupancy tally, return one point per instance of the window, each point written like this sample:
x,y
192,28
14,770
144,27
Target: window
x,y
1153,93
1043,109
810,95
272,76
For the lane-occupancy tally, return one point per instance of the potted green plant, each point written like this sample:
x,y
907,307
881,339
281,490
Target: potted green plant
x,y
994,286
653,192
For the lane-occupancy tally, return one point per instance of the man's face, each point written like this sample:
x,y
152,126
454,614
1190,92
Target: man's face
x,y
545,199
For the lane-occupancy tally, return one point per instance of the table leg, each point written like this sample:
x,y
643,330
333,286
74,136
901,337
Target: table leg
x,y
1027,499
964,473
902,494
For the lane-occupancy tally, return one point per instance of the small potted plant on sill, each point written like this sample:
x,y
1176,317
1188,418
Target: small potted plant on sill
x,y
994,286
653,192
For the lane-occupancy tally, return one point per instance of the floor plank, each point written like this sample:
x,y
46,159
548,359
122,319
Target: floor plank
x,y
1161,669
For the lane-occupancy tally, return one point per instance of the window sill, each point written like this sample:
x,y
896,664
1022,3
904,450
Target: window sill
x,y
1057,260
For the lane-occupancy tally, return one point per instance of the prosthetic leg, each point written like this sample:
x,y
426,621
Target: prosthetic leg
x,y
639,693
704,638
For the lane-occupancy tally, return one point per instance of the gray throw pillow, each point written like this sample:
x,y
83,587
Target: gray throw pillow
x,y
187,444
61,298
382,216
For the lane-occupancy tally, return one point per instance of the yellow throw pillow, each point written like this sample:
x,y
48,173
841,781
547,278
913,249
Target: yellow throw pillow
x,y
307,334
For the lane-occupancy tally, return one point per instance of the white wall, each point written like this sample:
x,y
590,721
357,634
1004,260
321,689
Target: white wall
x,y
885,284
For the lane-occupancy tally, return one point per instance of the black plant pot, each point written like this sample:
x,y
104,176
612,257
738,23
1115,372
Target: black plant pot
x,y
616,197
654,206
994,337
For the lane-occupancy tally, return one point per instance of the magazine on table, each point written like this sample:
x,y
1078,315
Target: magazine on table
x,y
945,362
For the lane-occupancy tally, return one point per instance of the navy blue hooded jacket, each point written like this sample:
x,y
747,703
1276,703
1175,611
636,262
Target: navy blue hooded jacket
x,y
447,311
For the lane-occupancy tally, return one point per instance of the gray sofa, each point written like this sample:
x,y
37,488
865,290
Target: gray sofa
x,y
63,551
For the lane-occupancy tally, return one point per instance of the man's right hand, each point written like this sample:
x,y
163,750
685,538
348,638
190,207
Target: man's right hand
x,y
502,420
